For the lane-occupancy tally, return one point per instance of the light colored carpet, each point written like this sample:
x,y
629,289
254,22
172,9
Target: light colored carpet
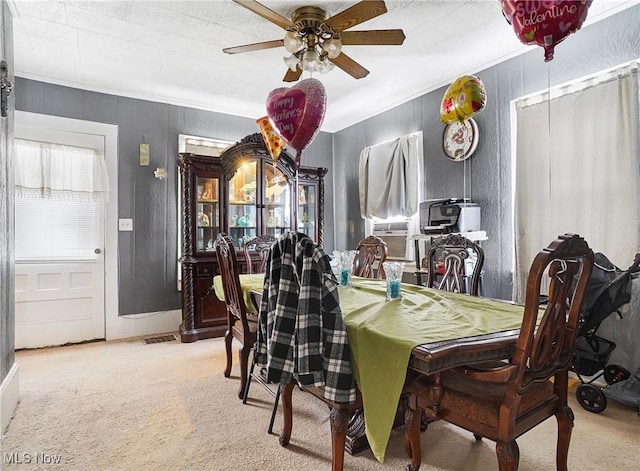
x,y
127,405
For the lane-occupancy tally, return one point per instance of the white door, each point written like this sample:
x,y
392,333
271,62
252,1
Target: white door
x,y
59,269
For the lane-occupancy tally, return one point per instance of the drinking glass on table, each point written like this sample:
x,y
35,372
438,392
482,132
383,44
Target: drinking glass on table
x,y
393,272
345,266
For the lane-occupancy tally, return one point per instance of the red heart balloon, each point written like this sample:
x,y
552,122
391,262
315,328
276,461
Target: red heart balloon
x,y
545,22
297,113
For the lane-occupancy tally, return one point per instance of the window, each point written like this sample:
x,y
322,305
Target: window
x,y
576,168
49,229
59,193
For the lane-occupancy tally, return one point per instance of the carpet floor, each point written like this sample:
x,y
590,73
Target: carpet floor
x,y
128,405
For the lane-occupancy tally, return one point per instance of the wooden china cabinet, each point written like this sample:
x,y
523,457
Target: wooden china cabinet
x,y
242,193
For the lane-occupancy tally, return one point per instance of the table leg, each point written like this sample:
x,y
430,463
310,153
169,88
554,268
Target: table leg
x,y
413,419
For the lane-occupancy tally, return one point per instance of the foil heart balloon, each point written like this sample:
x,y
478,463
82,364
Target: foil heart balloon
x,y
545,22
272,139
297,113
464,98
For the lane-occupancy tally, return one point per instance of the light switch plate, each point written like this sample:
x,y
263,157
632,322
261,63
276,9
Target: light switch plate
x,y
125,224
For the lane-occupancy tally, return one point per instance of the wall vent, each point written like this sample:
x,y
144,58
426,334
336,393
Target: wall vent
x,y
162,338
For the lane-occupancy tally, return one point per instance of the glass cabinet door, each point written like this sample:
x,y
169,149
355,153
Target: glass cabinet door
x,y
277,201
307,213
242,204
208,213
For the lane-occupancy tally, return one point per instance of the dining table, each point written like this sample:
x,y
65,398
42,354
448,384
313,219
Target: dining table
x,y
425,331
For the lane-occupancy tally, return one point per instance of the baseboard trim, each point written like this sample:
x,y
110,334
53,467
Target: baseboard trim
x,y
9,397
144,324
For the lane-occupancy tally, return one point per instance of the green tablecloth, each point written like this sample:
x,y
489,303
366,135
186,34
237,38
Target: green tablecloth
x,y
247,282
383,333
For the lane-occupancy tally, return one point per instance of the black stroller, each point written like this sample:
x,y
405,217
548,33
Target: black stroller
x,y
609,289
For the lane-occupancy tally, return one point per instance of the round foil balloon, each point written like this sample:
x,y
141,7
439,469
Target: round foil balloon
x,y
545,23
464,98
271,138
297,113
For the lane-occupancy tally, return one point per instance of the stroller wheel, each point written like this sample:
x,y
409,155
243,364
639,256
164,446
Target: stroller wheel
x,y
591,398
615,374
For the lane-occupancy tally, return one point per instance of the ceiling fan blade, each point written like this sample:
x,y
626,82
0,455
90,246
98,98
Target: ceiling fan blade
x,y
358,13
292,76
254,46
387,37
266,13
350,66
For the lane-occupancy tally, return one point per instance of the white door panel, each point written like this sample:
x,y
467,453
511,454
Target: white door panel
x,y
58,303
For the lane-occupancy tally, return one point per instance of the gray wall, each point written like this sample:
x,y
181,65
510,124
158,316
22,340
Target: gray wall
x,y
147,275
147,256
7,317
591,49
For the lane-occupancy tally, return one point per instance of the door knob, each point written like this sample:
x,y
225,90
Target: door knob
x,y
97,251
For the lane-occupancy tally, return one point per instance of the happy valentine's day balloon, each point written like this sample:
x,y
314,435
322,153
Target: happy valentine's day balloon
x,y
297,113
545,22
272,139
464,98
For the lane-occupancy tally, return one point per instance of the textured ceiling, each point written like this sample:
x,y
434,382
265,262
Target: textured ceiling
x,y
171,51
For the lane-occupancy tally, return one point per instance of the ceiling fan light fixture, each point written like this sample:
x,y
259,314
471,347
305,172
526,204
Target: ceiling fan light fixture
x,y
326,66
292,41
332,46
292,62
314,38
311,61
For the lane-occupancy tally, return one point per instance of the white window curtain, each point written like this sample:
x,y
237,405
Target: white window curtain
x,y
577,169
54,171
389,178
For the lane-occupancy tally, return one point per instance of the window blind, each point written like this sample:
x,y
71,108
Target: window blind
x,y
49,229
60,191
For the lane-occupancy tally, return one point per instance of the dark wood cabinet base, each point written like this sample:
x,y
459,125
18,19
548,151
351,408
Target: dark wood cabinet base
x,y
188,336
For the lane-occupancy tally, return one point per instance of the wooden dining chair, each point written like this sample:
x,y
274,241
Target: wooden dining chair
x,y
445,264
256,252
239,325
371,254
301,329
504,402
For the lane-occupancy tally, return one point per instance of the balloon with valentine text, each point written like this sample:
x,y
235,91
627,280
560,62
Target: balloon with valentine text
x,y
297,113
464,98
545,22
272,139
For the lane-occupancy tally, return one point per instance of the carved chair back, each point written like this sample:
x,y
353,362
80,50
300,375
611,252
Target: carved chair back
x,y
229,272
256,252
501,402
548,348
445,264
371,253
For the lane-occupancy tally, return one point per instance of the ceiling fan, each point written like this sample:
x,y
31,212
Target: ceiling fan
x,y
315,39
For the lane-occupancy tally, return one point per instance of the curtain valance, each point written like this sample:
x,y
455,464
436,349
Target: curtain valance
x,y
54,171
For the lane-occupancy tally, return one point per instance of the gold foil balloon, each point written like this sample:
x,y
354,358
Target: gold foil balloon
x,y
271,138
463,99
